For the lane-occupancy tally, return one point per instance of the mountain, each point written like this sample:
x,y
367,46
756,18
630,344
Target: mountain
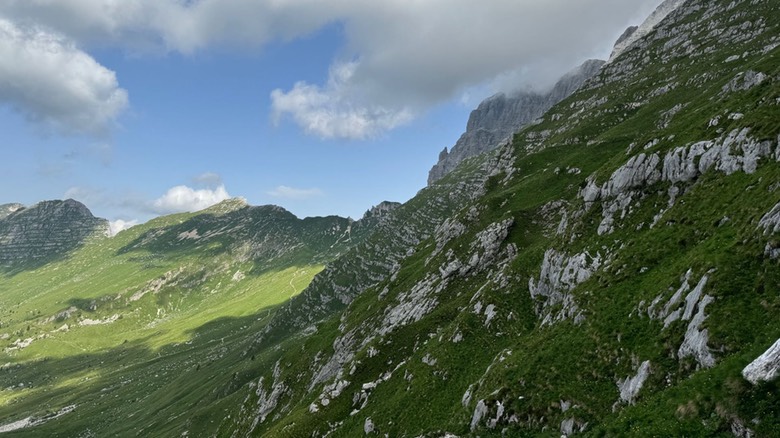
x,y
45,231
616,275
147,314
499,116
610,271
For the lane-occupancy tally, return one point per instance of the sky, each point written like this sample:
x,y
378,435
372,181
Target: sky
x,y
139,108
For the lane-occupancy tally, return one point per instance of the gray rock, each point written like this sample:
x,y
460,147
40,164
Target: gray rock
x,y
7,209
479,411
739,430
630,386
267,400
559,275
412,305
766,367
695,341
640,170
498,117
381,210
368,426
681,164
625,36
744,81
567,426
632,34
770,222
46,230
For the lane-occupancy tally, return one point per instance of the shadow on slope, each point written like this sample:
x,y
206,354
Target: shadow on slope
x,y
133,388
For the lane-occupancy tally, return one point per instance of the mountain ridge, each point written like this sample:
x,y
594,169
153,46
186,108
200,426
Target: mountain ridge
x,y
44,231
501,115
610,271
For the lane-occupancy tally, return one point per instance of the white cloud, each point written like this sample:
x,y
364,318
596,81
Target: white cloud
x,y
49,80
330,112
183,198
292,193
412,54
114,227
121,205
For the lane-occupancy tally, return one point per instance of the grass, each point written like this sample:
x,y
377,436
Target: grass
x,y
206,354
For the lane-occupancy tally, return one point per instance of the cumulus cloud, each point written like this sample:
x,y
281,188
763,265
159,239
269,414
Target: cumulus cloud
x,y
331,112
183,198
114,227
123,205
399,57
292,193
45,77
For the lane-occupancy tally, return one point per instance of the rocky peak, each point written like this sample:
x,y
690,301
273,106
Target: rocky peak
x,y
635,33
499,116
7,209
381,210
228,205
626,34
45,230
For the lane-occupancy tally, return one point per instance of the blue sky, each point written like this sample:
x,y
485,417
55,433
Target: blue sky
x,y
140,107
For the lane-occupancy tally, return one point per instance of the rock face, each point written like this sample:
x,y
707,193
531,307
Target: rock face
x,y
634,33
7,209
45,230
559,275
630,386
766,367
500,116
381,210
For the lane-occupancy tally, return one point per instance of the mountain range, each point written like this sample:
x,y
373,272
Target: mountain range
x,y
600,260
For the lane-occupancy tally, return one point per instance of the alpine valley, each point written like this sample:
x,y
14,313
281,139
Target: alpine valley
x,y
599,260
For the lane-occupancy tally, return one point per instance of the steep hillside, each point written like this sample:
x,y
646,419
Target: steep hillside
x,y
127,332
611,271
615,275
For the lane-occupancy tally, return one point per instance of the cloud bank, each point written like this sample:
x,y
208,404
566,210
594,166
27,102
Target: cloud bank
x,y
398,59
45,77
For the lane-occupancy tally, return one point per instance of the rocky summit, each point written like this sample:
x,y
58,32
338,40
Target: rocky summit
x,y
46,230
610,270
499,116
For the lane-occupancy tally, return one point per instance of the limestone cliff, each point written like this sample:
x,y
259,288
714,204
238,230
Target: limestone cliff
x,y
500,116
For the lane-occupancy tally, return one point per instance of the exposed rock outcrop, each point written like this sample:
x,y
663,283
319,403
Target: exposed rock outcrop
x,y
694,343
381,210
766,367
630,386
500,116
734,152
7,209
559,275
634,33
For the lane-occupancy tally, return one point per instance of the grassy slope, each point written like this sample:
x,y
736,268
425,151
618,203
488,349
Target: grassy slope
x,y
172,351
531,369
528,368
